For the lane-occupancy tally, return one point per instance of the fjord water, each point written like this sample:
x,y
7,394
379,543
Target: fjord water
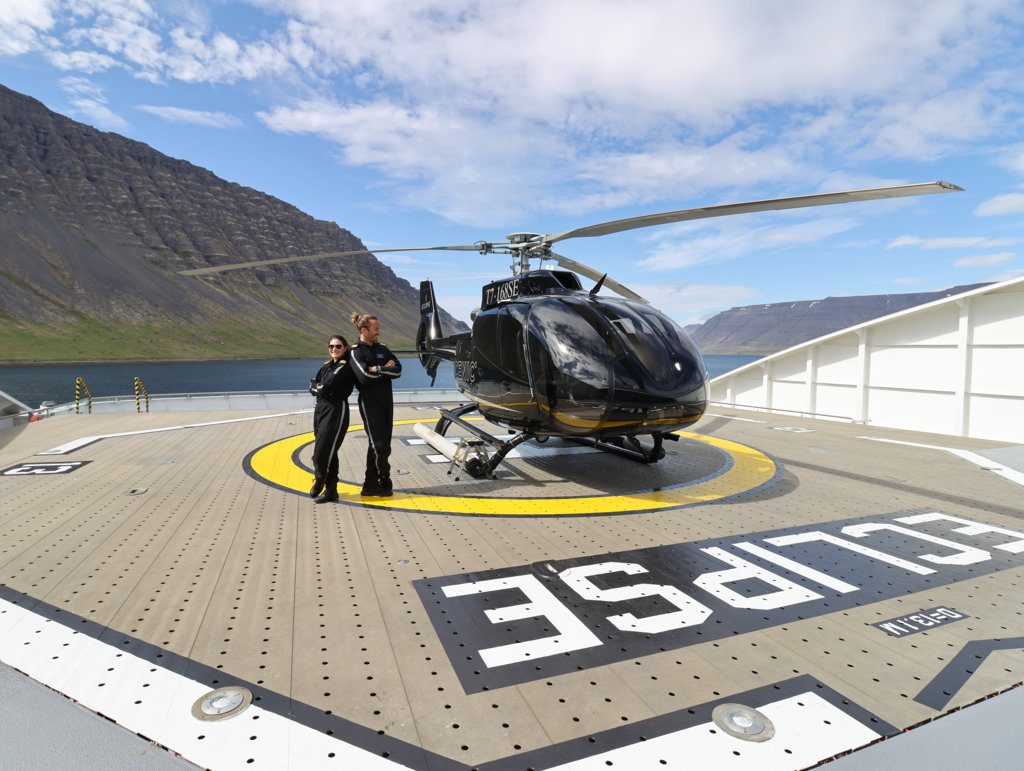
x,y
36,383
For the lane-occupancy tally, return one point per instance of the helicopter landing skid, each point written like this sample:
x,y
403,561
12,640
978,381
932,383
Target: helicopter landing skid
x,y
476,467
630,447
626,446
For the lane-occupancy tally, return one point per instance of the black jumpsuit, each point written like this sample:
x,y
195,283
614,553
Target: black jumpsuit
x,y
332,385
377,408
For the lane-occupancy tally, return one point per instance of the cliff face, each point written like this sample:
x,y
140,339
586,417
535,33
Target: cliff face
x,y
94,227
763,329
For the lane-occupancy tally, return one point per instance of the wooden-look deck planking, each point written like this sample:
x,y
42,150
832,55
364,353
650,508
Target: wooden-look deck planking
x,y
167,542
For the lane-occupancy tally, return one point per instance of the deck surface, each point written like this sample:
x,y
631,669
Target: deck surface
x,y
579,609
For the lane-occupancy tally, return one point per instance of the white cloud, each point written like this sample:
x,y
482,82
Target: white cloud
x,y
98,114
394,260
867,243
90,103
198,117
1009,203
883,84
963,242
925,128
79,86
489,112
220,58
687,303
1007,275
121,29
23,24
157,46
585,61
978,260
681,170
687,245
459,305
1012,158
457,166
81,61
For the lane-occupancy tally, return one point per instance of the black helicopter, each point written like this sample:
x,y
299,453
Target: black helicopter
x,y
546,357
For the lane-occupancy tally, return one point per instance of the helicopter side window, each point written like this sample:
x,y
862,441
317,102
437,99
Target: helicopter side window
x,y
569,351
510,333
485,337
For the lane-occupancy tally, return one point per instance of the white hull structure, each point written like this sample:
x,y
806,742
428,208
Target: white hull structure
x,y
954,366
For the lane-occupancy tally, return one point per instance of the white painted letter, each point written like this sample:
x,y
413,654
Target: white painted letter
x,y
817,535
970,528
690,613
573,633
968,554
795,567
788,592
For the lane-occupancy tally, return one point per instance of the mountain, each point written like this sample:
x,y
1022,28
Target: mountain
x,y
762,329
95,226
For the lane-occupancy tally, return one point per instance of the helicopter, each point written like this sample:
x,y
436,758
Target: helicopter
x,y
548,358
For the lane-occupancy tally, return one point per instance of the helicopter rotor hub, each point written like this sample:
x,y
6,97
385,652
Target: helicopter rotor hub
x,y
527,246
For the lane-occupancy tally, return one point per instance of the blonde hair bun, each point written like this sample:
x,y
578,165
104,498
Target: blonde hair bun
x,y
362,321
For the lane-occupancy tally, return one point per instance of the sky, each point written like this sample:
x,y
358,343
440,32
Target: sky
x,y
419,123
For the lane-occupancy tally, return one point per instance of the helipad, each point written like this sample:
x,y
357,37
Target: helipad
x,y
708,469
777,592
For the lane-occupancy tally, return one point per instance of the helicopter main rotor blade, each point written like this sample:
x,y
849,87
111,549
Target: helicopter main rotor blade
x,y
300,258
596,275
794,202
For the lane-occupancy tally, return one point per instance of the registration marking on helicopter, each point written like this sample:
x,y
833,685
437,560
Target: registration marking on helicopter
x,y
743,470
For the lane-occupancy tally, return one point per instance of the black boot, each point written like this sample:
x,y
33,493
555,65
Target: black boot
x,y
328,495
385,488
317,488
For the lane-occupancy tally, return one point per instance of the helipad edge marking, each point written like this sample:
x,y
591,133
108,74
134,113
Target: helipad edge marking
x,y
77,444
152,700
988,465
732,417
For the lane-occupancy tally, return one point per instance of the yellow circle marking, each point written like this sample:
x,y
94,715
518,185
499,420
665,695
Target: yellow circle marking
x,y
750,469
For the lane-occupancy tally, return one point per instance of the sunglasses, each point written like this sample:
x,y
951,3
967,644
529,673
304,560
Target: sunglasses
x,y
332,345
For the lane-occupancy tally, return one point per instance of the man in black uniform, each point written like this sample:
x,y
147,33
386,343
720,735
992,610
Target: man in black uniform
x,y
374,367
332,386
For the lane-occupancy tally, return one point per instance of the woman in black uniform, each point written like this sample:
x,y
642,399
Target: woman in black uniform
x,y
374,367
332,386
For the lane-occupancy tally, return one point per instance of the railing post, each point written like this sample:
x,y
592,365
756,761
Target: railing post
x,y
79,387
140,386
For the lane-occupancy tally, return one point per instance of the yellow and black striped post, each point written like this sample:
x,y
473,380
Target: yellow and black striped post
x,y
79,387
140,386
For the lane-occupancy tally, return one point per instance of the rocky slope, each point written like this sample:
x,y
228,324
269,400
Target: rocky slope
x,y
94,227
763,329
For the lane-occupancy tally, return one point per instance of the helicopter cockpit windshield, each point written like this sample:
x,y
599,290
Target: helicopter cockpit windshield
x,y
589,354
661,347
